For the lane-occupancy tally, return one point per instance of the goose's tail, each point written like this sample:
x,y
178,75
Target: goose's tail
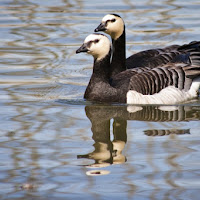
x,y
193,51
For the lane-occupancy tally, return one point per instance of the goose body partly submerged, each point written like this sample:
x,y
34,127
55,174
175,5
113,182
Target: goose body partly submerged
x,y
114,25
169,84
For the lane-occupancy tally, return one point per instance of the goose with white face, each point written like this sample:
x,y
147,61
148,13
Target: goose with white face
x,y
113,25
98,45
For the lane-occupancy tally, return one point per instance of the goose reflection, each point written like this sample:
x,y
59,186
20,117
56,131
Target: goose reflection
x,y
108,152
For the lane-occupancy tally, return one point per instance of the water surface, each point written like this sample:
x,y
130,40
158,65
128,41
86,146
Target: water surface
x,y
55,145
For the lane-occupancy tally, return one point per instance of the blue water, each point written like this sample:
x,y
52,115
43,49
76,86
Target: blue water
x,y
54,144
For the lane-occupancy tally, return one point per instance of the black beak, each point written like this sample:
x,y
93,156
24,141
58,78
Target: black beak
x,y
101,27
83,48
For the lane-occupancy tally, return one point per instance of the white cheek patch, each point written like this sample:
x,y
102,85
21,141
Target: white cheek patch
x,y
103,48
116,28
99,49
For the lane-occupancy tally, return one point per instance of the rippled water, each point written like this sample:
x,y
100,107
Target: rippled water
x,y
55,145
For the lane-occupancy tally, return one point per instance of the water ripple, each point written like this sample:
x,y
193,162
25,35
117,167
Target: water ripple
x,y
52,139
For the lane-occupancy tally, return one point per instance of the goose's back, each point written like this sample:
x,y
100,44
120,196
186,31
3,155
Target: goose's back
x,y
158,57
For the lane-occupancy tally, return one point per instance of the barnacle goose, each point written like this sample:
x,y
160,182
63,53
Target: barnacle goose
x,y
169,84
113,25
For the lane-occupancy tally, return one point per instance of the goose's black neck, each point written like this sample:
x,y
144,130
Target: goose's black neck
x,y
101,74
101,69
118,63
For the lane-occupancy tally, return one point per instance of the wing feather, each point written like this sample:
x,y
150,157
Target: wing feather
x,y
179,75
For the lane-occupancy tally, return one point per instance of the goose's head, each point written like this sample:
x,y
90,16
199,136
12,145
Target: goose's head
x,y
111,24
98,45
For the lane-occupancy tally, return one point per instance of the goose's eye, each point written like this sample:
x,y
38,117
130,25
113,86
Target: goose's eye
x,y
96,41
113,20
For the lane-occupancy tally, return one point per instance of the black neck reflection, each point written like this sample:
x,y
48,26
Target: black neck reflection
x,y
109,152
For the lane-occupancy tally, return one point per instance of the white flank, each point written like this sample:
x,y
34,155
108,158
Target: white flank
x,y
169,95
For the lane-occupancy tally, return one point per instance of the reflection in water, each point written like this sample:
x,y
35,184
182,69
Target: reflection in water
x,y
41,138
107,152
166,132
